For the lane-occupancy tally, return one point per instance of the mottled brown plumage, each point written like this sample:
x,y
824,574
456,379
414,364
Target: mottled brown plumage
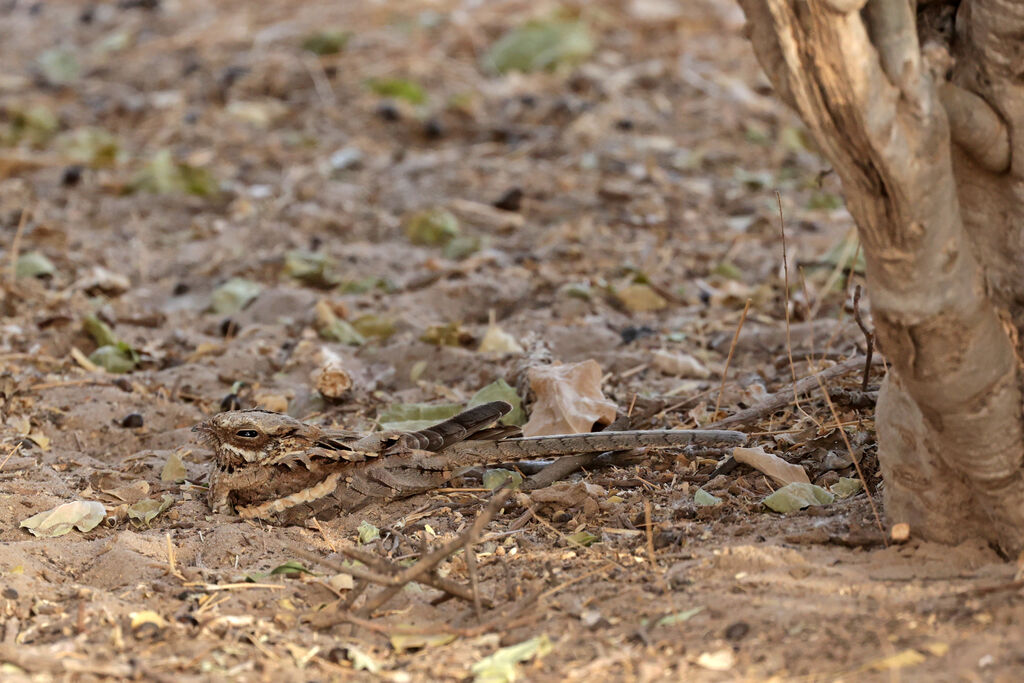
x,y
274,467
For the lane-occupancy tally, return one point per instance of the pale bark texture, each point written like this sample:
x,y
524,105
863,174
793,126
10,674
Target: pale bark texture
x,y
920,109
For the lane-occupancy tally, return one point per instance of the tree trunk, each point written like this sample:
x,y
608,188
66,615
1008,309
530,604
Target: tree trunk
x,y
929,145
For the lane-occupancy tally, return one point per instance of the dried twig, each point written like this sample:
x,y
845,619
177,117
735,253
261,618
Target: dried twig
x,y
172,567
566,465
868,335
474,579
10,454
856,463
16,246
854,398
382,565
784,396
394,578
728,360
785,270
650,533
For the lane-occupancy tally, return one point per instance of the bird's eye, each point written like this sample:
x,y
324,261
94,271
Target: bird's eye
x,y
247,433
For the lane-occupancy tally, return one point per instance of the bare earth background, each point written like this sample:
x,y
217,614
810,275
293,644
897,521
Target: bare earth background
x,y
647,219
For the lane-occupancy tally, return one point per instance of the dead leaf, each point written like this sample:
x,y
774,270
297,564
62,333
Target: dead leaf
x,y
640,298
898,661
500,667
679,365
145,511
498,341
403,642
276,403
797,496
567,494
569,399
83,515
129,493
174,469
719,660
775,467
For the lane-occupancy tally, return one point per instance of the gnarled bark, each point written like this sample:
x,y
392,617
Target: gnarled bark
x,y
934,197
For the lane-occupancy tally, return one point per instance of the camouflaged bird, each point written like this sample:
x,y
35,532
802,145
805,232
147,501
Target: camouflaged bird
x,y
273,467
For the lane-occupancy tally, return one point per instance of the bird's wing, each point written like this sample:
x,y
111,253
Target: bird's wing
x,y
436,437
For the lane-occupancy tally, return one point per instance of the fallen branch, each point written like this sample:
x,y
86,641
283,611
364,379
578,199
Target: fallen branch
x,y
566,465
394,577
783,397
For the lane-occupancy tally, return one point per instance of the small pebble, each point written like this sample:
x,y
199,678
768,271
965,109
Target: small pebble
x,y
388,111
512,200
433,130
737,631
72,175
132,421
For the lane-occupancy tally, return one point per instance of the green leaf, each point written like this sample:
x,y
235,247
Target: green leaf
x,y
99,331
163,175
797,496
326,42
576,290
434,227
311,267
679,617
362,661
413,416
197,181
36,124
704,499
540,45
234,295
90,146
59,66
447,334
846,487
368,533
145,511
83,515
117,358
500,667
34,264
584,538
332,328
290,567
364,285
824,200
496,478
341,331
728,270
373,325
399,88
461,246
500,390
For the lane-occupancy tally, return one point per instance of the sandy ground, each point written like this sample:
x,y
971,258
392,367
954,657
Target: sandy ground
x,y
639,217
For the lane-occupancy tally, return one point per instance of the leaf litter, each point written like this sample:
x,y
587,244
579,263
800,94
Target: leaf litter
x,y
597,152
